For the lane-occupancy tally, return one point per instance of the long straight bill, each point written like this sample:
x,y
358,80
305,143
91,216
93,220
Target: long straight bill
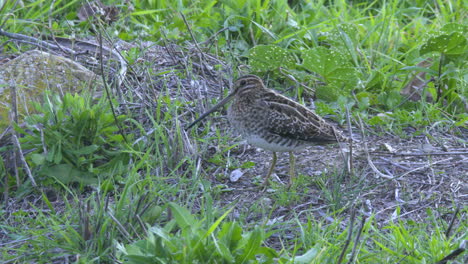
x,y
214,108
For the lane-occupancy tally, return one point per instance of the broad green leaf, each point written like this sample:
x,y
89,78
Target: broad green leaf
x,y
85,150
344,75
247,165
38,159
212,228
224,251
339,75
182,216
454,27
345,34
269,57
344,39
308,257
65,173
463,120
230,234
160,232
254,241
265,30
327,93
216,223
329,64
450,44
375,79
322,61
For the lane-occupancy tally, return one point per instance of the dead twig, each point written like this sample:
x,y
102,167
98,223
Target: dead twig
x,y
454,253
350,131
14,118
289,76
356,241
121,227
422,154
23,160
449,228
108,93
34,41
210,39
366,150
191,34
394,164
350,234
14,136
423,167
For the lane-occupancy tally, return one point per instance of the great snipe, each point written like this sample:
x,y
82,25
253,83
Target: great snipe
x,y
271,121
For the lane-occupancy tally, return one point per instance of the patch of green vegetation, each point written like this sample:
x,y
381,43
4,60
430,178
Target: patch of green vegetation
x,y
74,140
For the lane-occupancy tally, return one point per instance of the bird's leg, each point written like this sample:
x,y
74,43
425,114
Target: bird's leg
x,y
292,168
272,167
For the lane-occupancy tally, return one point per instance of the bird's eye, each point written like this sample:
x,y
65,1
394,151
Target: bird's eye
x,y
243,82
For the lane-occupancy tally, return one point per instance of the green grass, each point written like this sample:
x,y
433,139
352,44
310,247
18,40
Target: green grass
x,y
160,195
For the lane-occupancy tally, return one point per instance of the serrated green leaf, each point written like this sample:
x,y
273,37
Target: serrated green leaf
x,y
269,57
450,44
454,27
343,35
329,64
321,61
335,70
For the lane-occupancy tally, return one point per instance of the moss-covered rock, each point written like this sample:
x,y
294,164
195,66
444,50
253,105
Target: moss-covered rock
x,y
36,71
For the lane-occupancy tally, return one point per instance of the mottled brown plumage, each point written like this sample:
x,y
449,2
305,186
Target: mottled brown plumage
x,y
271,121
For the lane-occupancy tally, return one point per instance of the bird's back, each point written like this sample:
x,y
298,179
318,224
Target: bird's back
x,y
275,122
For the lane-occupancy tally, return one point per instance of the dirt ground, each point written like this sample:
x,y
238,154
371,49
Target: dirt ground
x,y
412,174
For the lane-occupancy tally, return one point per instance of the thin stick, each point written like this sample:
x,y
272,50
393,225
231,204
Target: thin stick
x,y
35,41
366,150
311,90
106,86
422,154
361,227
14,118
350,131
121,227
23,160
191,34
454,253
447,233
350,234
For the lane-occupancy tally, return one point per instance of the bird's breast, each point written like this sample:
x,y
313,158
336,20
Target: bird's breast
x,y
274,143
